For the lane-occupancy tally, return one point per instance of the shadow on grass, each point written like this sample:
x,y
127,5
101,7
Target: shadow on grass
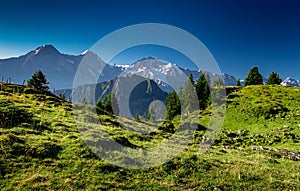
x,y
45,150
11,115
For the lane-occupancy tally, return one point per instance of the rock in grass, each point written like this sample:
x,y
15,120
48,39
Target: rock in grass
x,y
257,148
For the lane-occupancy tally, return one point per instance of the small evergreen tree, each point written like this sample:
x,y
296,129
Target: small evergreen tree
x,y
62,96
83,101
104,106
274,78
191,79
137,117
108,105
38,81
173,106
188,96
203,91
254,77
238,83
147,116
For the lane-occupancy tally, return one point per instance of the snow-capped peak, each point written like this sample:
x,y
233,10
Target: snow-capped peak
x,y
47,49
84,52
290,82
121,65
36,51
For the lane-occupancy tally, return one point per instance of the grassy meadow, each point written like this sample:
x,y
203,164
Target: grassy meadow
x,y
41,146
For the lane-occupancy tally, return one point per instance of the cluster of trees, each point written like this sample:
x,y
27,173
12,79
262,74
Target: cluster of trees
x,y
255,78
206,93
192,96
107,105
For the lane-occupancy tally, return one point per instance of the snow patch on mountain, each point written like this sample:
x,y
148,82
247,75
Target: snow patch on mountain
x,y
84,52
71,61
36,51
290,82
163,73
229,80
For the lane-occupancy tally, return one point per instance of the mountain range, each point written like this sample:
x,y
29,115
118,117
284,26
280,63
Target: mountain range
x,y
60,69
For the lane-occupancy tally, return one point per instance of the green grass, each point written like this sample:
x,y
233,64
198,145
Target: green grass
x,y
41,146
260,109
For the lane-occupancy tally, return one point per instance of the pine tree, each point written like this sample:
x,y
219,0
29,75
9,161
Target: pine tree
x,y
218,91
203,91
147,116
173,106
137,117
188,96
83,101
254,77
274,78
238,83
108,105
62,96
38,81
104,106
191,79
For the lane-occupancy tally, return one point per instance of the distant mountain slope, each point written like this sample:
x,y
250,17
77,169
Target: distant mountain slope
x,y
131,99
60,69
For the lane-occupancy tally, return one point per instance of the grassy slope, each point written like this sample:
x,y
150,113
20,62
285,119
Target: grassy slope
x,y
41,147
261,108
266,110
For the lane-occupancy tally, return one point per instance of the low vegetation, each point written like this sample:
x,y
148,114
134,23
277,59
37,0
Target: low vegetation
x,y
42,147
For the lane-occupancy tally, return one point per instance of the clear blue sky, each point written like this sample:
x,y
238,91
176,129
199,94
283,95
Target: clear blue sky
x,y
240,33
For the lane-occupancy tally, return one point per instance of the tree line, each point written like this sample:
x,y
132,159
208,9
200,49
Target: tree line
x,y
193,95
207,92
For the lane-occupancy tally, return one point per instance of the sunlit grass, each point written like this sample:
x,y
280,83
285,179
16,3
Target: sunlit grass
x,y
46,150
